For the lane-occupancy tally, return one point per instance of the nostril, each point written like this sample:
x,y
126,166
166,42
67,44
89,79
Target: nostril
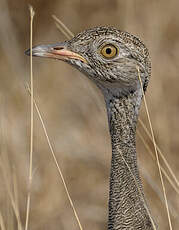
x,y
58,48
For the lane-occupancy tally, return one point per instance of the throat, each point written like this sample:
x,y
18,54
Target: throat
x,y
122,119
127,206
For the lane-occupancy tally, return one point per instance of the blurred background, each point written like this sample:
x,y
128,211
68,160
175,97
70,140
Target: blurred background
x,y
74,113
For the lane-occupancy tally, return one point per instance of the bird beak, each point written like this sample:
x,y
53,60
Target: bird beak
x,y
55,51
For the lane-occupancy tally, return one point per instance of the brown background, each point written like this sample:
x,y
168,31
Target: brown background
x,y
74,112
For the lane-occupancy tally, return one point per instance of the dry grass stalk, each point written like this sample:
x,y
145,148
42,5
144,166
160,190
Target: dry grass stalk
x,y
16,200
55,160
8,177
154,227
155,148
148,178
7,180
153,157
63,29
31,122
160,153
30,89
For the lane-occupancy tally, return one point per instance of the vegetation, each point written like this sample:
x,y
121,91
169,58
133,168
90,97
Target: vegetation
x,y
74,116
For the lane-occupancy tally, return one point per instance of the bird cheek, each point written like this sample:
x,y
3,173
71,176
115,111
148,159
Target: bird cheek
x,y
126,77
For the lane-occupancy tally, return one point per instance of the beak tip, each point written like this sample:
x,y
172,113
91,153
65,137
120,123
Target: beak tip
x,y
38,51
27,52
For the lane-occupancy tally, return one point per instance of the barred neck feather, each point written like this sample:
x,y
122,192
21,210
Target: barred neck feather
x,y
127,205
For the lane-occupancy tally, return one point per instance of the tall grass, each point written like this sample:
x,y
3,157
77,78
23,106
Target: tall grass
x,y
32,13
82,152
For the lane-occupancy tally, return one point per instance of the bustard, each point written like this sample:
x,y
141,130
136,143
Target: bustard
x,y
110,58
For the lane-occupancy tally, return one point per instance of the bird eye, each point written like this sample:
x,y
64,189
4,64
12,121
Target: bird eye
x,y
109,51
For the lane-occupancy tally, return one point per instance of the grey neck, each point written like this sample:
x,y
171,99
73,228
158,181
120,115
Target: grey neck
x,y
127,206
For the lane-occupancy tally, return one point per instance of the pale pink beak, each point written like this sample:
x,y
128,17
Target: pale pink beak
x,y
56,51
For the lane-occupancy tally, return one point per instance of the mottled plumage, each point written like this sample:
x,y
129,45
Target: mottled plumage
x,y
117,77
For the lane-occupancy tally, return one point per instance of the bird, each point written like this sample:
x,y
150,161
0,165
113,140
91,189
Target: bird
x,y
113,59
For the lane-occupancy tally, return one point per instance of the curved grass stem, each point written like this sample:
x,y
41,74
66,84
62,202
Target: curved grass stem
x,y
32,13
155,148
56,162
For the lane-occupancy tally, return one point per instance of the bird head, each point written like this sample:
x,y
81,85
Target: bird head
x,y
109,57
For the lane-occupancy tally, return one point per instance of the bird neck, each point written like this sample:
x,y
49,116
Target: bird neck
x,y
127,207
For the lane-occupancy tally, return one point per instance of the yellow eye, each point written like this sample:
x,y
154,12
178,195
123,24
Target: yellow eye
x,y
109,51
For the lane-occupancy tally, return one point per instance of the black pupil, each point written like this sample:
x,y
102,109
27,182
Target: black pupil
x,y
108,50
